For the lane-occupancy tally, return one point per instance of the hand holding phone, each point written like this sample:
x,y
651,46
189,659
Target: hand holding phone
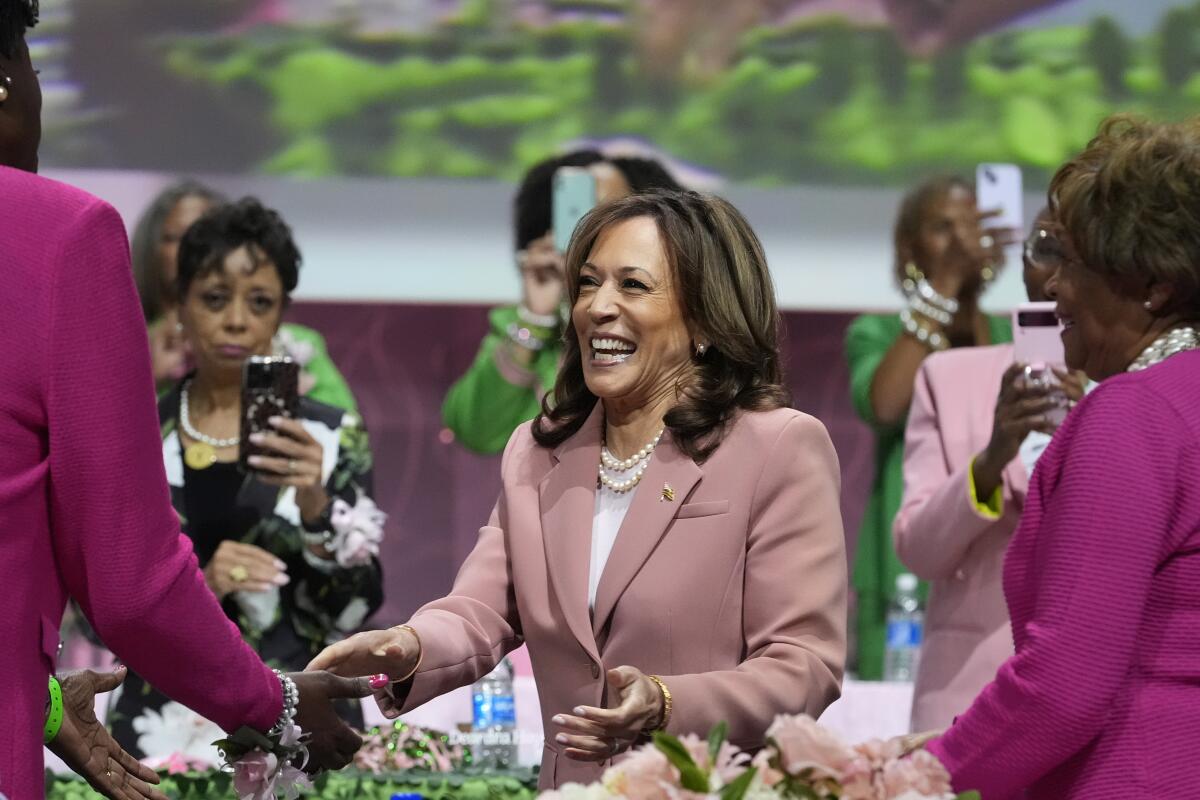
x,y
270,388
998,193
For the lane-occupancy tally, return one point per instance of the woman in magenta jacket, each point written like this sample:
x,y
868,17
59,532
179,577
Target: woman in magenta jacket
x,y
1102,578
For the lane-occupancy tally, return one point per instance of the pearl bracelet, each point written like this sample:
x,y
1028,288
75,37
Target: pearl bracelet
x,y
550,321
929,310
291,699
932,339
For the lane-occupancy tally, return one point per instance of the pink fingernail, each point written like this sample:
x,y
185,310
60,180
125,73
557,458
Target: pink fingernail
x,y
379,681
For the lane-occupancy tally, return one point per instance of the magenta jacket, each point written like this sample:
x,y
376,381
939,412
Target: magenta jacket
x,y
84,509
1102,697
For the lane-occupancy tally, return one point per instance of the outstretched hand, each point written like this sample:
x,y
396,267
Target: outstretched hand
x,y
331,743
394,652
89,749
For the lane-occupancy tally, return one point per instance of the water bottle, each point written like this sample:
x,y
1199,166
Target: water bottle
x,y
495,719
905,626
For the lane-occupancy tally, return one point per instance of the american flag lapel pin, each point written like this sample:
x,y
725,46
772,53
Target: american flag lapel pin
x,y
668,493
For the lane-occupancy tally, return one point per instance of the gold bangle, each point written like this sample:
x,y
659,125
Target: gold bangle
x,y
420,652
666,712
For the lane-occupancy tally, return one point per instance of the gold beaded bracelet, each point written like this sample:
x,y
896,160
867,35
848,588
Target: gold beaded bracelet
x,y
666,712
420,652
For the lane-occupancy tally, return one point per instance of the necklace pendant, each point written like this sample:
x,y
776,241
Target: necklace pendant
x,y
199,455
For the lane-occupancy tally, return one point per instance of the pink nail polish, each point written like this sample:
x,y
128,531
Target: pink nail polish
x,y
379,681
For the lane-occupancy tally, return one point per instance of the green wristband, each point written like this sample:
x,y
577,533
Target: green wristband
x,y
54,719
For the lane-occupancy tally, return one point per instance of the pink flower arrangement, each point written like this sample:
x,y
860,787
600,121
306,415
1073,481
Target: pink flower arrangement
x,y
801,760
403,746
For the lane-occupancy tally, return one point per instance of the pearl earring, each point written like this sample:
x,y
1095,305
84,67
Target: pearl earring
x,y
701,349
1146,305
5,82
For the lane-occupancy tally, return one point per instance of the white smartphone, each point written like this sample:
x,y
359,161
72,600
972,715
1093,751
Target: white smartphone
x,y
574,196
998,188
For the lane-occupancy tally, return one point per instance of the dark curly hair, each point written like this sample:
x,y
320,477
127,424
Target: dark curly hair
x,y
226,228
728,299
16,16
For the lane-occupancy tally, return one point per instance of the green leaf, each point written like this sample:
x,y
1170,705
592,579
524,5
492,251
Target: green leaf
x,y
691,777
716,738
971,795
736,789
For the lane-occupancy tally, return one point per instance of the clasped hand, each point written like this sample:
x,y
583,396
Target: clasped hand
x,y
597,734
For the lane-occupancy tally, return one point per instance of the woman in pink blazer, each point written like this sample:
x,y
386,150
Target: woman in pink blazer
x,y
667,540
966,453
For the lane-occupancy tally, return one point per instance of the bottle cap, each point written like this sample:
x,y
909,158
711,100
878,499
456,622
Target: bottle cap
x,y
906,582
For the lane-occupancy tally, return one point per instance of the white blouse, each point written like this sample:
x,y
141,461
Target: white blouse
x,y
611,508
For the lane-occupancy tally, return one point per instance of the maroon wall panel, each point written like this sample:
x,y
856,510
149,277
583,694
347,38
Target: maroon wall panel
x,y
400,359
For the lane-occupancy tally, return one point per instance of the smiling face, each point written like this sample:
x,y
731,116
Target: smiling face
x,y
232,313
628,317
1103,329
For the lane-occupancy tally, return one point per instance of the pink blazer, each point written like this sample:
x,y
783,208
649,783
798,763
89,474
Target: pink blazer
x,y
734,592
84,509
942,538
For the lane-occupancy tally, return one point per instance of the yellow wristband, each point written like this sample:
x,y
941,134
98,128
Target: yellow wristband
x,y
666,712
54,719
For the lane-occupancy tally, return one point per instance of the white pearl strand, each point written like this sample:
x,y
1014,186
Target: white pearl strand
x,y
637,462
185,420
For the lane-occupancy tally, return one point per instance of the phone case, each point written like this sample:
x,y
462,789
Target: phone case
x,y
270,388
1037,335
574,197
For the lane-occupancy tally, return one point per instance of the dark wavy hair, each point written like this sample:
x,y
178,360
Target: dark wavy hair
x,y
155,295
728,299
226,228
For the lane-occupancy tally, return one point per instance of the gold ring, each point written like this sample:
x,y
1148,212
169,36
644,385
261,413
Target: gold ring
x,y
238,574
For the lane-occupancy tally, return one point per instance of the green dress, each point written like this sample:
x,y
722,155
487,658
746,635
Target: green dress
x,y
876,566
495,395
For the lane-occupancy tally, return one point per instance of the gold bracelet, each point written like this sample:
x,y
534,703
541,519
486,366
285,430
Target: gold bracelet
x,y
666,712
420,652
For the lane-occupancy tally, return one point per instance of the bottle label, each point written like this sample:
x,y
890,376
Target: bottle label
x,y
903,633
494,710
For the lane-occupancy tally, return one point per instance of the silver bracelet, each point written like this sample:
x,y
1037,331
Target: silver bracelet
x,y
931,295
933,339
550,321
291,699
929,310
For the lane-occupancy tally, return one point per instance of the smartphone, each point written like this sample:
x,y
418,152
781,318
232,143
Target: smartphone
x,y
998,188
1037,335
574,196
270,388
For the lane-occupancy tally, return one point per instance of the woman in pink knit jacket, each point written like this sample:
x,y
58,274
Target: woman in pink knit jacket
x,y
974,432
1102,578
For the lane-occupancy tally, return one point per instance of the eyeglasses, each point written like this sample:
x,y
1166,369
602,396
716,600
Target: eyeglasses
x,y
1044,249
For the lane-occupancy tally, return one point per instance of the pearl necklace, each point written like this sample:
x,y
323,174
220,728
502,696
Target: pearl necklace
x,y
1173,341
186,421
637,462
